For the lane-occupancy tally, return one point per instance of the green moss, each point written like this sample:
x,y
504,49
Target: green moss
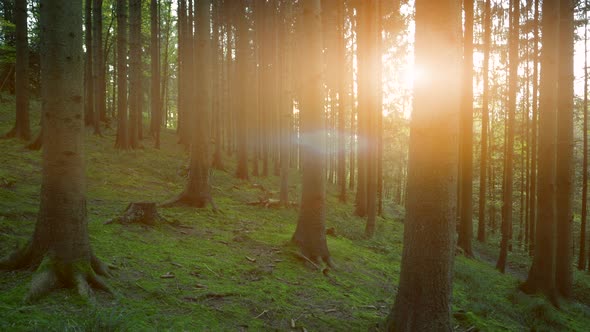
x,y
216,286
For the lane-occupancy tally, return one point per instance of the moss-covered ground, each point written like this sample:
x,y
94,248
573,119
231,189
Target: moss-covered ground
x,y
234,270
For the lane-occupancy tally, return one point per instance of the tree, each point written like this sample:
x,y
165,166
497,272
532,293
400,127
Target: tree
x,y
565,152
466,142
243,53
21,127
156,105
122,141
98,82
135,73
534,125
310,234
60,247
341,61
509,148
370,104
99,64
88,65
541,276
286,98
584,216
197,192
485,119
423,301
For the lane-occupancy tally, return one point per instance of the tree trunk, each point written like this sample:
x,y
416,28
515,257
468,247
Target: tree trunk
x,y
584,217
363,132
466,143
423,301
541,277
485,119
534,125
156,104
509,157
243,51
60,245
135,70
565,152
88,65
197,192
286,100
370,33
310,235
97,67
122,141
21,129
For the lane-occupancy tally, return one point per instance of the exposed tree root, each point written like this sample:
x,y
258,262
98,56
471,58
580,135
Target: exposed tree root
x,y
144,213
52,274
19,259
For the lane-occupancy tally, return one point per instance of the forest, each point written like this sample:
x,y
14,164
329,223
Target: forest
x,y
294,165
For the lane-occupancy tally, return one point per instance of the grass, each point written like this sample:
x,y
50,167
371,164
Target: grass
x,y
216,285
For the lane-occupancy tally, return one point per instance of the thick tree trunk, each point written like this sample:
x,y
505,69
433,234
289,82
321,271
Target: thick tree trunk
x,y
197,192
60,238
310,235
565,152
423,301
541,277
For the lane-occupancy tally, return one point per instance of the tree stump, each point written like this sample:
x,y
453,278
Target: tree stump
x,y
144,213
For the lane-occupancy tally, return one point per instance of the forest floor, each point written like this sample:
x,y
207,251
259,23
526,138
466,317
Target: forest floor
x,y
235,270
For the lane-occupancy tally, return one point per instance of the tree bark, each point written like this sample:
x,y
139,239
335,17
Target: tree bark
x,y
423,301
156,104
565,152
584,217
310,234
135,73
60,246
242,54
509,157
541,277
21,129
466,143
485,119
98,94
122,141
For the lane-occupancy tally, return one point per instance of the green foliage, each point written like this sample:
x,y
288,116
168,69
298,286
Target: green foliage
x,y
216,286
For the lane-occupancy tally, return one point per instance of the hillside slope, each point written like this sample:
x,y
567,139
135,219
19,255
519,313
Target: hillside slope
x,y
233,270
